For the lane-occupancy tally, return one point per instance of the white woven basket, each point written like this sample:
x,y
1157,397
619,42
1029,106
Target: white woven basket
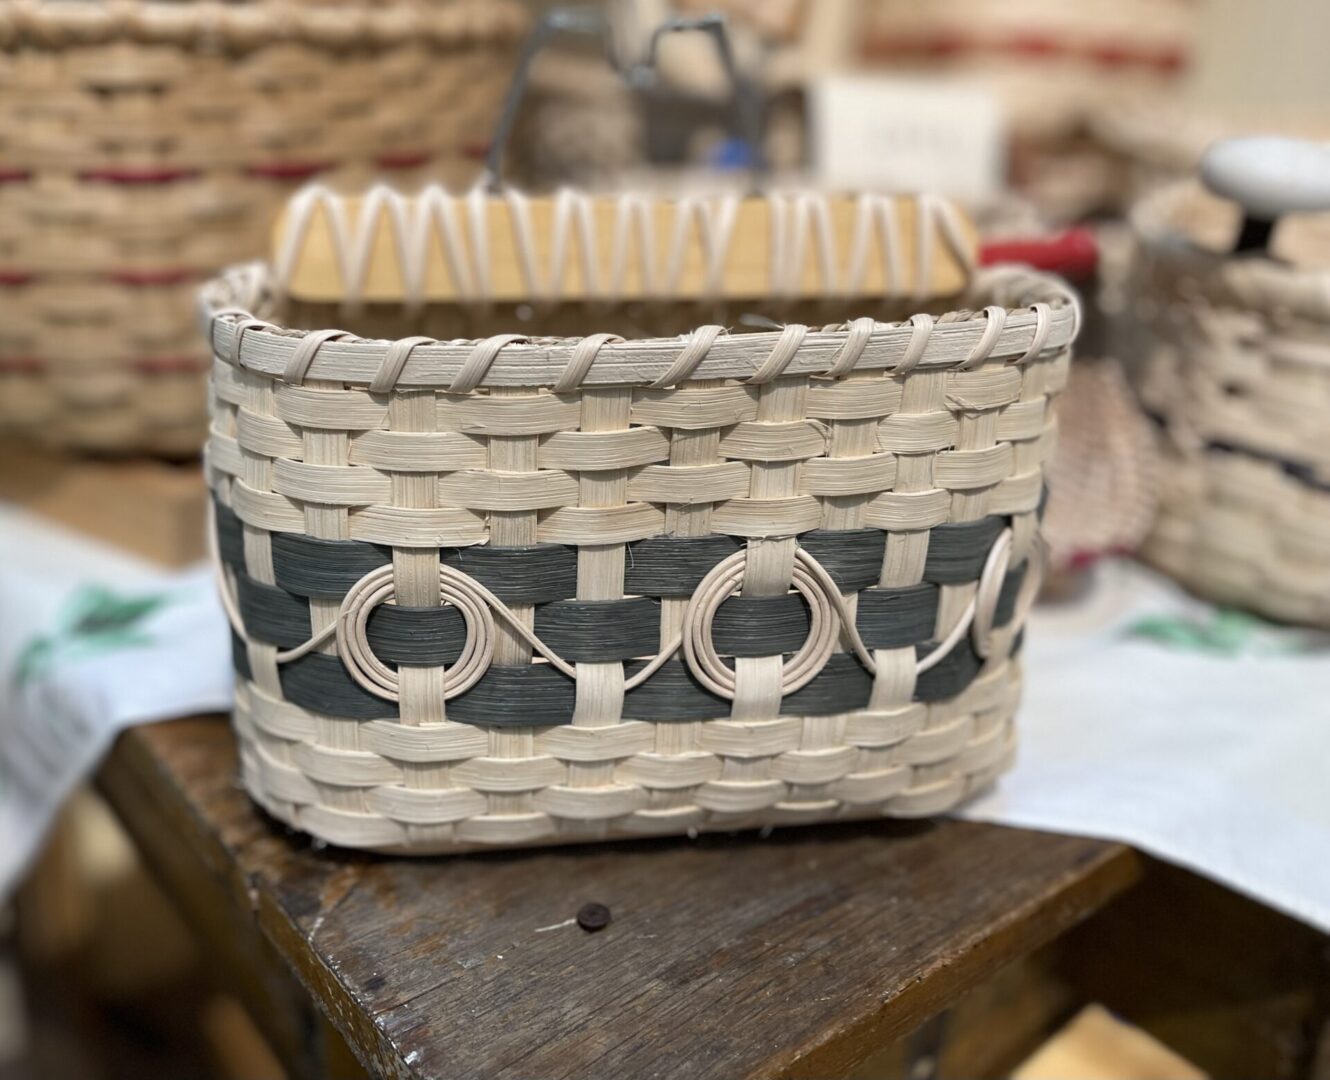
x,y
484,591
1239,380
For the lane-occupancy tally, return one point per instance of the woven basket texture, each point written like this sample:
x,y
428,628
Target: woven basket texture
x,y
1239,380
1103,478
1053,63
1158,144
548,590
1055,67
582,125
145,144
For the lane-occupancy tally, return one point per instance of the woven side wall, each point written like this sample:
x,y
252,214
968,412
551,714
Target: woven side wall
x,y
598,519
143,145
1239,383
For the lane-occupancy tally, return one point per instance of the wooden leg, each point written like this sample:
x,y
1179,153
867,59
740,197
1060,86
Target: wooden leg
x,y
1237,988
243,959
994,1027
1234,987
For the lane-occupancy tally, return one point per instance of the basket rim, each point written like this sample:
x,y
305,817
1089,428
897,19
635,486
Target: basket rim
x,y
1029,313
1258,281
1173,136
1153,220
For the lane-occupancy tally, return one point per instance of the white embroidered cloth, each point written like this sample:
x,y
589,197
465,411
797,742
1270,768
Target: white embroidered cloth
x,y
92,641
1212,755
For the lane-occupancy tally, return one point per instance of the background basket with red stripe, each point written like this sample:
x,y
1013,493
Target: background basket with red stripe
x,y
145,144
1056,67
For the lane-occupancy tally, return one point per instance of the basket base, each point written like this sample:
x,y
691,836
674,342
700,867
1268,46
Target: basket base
x,y
945,754
978,785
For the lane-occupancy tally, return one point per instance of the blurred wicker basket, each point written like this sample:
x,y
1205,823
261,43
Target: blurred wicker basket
x,y
1102,478
483,589
1054,63
1239,379
1055,66
1160,143
144,144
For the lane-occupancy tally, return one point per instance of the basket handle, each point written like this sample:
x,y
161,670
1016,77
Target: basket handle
x,y
591,22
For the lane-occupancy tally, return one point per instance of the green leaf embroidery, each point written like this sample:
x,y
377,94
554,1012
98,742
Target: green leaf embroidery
x,y
94,620
97,610
35,658
1226,632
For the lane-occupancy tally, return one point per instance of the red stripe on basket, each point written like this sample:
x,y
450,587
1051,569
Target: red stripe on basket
x,y
1170,60
404,159
943,44
1034,44
1073,253
475,150
15,277
1083,560
173,275
13,176
22,365
1110,55
287,170
934,45
129,174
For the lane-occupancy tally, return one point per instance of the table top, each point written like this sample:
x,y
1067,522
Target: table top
x,y
790,954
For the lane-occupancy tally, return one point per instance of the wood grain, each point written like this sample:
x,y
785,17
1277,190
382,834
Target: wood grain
x,y
793,955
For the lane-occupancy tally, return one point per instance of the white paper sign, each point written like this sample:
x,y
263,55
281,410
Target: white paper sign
x,y
907,134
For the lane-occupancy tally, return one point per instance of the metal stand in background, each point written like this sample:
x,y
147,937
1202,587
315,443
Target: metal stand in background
x,y
642,76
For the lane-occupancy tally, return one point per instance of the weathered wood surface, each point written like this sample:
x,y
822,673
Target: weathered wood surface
x,y
794,955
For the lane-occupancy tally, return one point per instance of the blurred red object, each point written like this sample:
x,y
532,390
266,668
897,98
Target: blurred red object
x,y
1073,253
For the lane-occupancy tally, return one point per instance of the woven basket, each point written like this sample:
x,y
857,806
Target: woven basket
x,y
1053,63
1054,66
1161,143
143,145
1102,478
707,581
1239,380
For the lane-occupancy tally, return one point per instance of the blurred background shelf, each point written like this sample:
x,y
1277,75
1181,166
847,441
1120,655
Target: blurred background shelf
x,y
155,509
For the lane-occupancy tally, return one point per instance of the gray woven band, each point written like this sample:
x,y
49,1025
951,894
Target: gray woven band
x,y
609,630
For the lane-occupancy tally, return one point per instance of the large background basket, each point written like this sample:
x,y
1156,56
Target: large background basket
x,y
145,144
1055,67
1239,379
587,506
